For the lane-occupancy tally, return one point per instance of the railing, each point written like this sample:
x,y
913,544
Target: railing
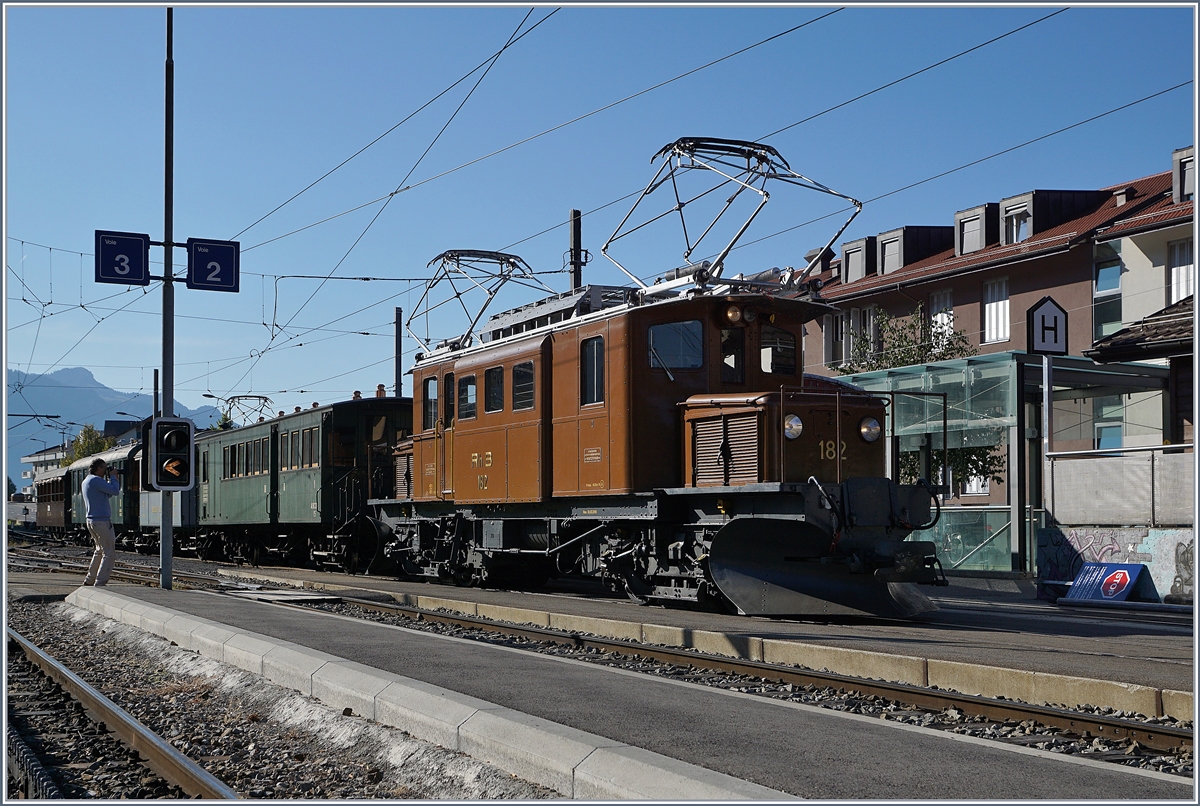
x,y
972,538
1146,486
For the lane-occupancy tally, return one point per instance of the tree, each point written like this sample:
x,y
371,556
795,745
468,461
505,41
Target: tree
x,y
918,339
89,441
12,487
226,422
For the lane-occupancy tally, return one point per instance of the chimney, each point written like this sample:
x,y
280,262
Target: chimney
x,y
1124,195
823,264
576,258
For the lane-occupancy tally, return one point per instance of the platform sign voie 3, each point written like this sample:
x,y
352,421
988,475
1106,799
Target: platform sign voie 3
x,y
122,257
213,265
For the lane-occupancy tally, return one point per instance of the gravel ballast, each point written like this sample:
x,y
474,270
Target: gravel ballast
x,y
261,739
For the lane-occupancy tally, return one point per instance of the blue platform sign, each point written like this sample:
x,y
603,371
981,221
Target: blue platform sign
x,y
1113,582
213,265
122,257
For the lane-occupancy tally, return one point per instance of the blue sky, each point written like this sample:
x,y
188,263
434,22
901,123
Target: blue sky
x,y
268,99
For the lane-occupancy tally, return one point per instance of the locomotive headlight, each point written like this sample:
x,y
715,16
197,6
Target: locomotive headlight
x,y
734,314
793,426
750,315
869,429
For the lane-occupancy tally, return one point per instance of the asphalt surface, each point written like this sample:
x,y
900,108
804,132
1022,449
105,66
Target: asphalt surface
x,y
808,752
990,622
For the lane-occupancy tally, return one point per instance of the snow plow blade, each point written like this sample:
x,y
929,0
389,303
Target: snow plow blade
x,y
782,567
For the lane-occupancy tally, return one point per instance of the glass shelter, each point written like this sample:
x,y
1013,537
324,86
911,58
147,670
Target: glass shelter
x,y
956,414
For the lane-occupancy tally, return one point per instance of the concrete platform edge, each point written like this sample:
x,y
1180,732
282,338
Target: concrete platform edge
x,y
574,763
1036,688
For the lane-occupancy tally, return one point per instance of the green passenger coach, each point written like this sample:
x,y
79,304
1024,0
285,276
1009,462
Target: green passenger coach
x,y
294,488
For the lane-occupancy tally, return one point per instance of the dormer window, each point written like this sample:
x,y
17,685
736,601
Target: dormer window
x,y
1016,223
1183,175
889,251
854,264
970,235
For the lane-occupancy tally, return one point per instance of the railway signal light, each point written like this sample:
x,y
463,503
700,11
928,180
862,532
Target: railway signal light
x,y
172,445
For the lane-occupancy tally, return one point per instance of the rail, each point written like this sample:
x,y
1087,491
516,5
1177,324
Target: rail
x,y
160,756
1156,737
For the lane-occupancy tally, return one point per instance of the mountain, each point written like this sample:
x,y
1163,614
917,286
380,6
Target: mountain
x,y
77,397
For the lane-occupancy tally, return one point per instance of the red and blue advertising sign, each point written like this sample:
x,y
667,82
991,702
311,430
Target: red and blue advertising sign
x,y
1110,582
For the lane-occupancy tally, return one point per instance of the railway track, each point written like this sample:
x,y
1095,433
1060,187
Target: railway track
x,y
1071,724
26,767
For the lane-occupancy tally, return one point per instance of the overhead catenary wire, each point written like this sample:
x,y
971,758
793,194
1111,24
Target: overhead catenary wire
x,y
511,40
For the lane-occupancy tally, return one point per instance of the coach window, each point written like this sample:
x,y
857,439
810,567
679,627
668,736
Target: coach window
x,y
225,462
493,390
258,456
677,345
266,454
733,355
466,398
247,458
522,386
448,391
591,371
295,450
204,467
778,351
284,454
309,459
429,404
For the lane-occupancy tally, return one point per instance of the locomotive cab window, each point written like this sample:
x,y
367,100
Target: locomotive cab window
x,y
429,407
778,351
677,345
466,398
733,355
591,371
493,390
522,386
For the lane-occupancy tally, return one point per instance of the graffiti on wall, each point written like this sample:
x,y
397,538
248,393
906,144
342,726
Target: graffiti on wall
x,y
1168,554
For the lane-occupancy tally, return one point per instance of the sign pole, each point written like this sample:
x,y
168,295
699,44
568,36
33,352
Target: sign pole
x,y
167,519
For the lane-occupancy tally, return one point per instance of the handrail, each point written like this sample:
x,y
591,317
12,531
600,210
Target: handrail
x,y
982,543
1117,451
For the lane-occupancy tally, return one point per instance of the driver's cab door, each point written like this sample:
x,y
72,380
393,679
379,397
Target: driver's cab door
x,y
446,439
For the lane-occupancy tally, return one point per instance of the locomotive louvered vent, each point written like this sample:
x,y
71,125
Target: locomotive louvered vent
x,y
726,451
404,476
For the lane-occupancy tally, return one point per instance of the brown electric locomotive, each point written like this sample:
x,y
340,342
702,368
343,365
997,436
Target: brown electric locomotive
x,y
675,448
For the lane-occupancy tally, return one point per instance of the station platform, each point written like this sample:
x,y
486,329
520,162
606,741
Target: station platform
x,y
790,749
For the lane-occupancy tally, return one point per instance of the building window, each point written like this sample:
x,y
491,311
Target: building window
x,y
941,318
733,355
977,485
854,266
522,386
1016,223
591,369
493,390
890,251
777,351
429,403
835,339
970,235
1181,269
1187,167
466,397
1108,436
1106,299
677,345
995,310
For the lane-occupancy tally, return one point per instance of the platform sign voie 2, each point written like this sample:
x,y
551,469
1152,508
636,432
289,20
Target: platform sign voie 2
x,y
1113,582
122,257
213,265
